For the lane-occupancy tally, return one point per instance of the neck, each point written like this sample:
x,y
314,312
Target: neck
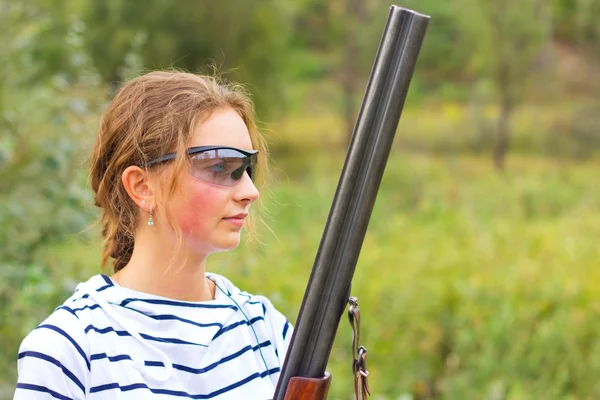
x,y
157,272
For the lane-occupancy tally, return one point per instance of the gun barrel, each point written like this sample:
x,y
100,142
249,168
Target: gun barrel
x,y
331,277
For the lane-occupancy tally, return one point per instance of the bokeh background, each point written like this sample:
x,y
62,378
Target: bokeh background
x,y
479,276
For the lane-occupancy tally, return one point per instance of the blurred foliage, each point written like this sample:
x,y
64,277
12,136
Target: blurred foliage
x,y
576,22
241,36
46,121
472,284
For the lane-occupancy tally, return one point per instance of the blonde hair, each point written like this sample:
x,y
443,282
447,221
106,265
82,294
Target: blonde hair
x,y
150,116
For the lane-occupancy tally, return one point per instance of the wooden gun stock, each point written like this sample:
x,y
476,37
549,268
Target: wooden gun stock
x,y
300,388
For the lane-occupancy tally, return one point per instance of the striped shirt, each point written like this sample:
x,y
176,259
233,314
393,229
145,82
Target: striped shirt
x,y
109,342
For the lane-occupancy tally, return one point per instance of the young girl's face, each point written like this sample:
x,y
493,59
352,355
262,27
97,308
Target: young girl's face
x,y
211,216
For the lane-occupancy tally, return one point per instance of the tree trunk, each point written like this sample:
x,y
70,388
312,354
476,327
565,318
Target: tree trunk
x,y
503,134
349,107
355,15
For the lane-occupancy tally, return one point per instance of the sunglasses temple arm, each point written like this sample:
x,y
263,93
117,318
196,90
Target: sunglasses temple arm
x,y
166,157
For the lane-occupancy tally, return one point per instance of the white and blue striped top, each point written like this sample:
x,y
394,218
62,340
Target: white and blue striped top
x,y
109,342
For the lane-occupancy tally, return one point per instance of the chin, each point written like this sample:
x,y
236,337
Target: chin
x,y
228,243
214,247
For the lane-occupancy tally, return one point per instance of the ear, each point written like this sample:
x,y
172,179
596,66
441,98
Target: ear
x,y
138,186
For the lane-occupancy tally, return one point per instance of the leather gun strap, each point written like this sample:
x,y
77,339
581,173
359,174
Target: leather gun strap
x,y
359,353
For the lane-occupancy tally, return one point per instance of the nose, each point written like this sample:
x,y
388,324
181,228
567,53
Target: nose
x,y
245,190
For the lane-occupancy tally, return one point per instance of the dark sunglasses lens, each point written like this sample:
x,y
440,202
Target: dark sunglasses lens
x,y
224,167
248,166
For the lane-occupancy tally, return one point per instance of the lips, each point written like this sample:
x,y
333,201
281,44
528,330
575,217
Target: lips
x,y
237,220
238,216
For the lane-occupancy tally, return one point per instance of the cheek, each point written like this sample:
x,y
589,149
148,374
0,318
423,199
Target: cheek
x,y
200,209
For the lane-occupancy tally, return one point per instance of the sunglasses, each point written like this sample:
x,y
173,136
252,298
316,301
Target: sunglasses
x,y
219,165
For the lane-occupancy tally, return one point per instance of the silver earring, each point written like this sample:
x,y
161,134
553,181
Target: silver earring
x,y
150,220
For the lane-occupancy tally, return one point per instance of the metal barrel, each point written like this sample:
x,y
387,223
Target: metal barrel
x,y
331,277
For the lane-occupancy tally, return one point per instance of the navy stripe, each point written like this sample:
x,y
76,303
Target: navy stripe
x,y
54,361
179,393
245,294
67,309
115,385
145,336
38,388
101,356
264,310
213,365
69,338
85,296
235,325
107,280
74,310
160,317
177,303
92,307
249,296
168,317
285,328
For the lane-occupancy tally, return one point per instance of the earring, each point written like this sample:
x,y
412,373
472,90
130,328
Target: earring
x,y
150,220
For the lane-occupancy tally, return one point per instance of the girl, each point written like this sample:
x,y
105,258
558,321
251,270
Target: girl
x,y
172,171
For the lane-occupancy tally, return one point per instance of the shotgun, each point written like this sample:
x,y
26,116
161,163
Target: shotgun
x,y
329,284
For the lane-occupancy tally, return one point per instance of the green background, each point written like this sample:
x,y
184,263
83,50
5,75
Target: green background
x,y
479,274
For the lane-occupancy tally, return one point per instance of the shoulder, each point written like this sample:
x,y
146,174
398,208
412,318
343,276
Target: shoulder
x,y
54,359
259,306
62,333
